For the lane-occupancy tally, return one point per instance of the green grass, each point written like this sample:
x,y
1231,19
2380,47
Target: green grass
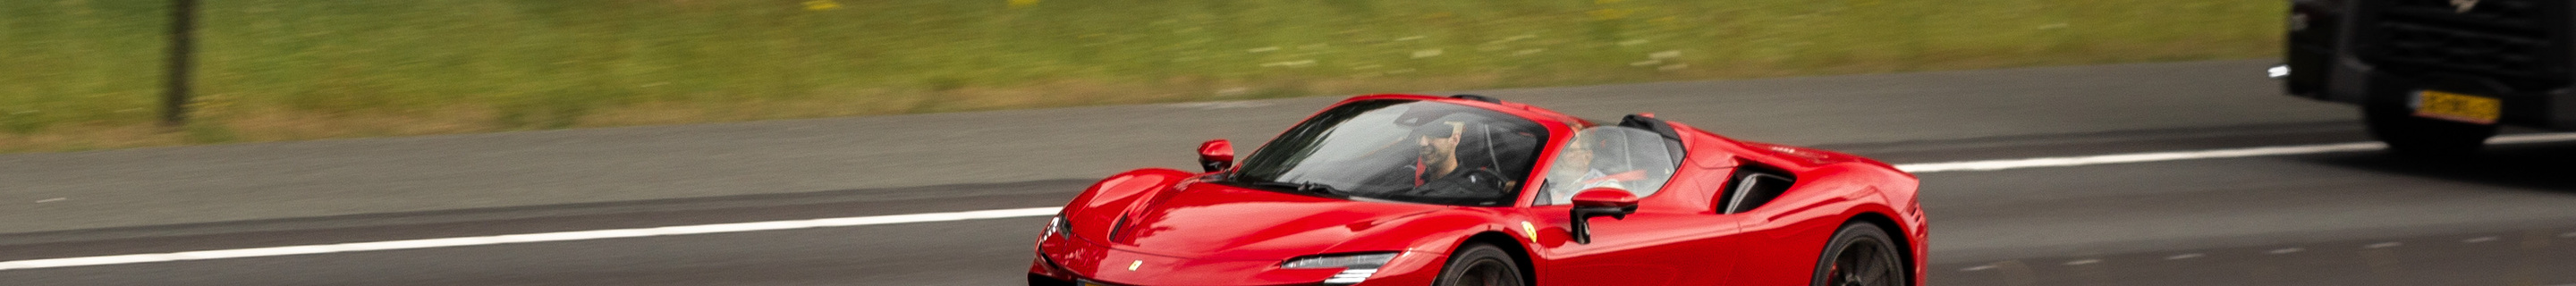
x,y
79,74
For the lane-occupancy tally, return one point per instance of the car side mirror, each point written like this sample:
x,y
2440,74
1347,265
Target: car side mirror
x,y
1216,155
1594,202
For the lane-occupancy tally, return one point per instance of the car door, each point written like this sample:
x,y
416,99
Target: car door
x,y
1674,238
1658,245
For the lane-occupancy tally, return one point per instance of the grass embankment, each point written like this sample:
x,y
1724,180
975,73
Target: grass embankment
x,y
84,74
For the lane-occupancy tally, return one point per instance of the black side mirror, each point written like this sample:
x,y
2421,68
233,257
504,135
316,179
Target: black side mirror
x,y
1216,155
1595,202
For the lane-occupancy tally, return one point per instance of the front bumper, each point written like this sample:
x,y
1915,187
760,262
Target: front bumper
x,y
2358,83
1065,263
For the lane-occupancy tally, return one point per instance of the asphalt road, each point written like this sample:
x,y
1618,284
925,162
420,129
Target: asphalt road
x,y
2507,217
253,182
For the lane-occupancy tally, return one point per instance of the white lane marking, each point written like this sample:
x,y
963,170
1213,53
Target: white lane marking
x,y
53,200
2567,235
2385,245
1221,104
2481,239
2183,256
2287,250
1988,165
1978,268
525,238
2083,262
1992,165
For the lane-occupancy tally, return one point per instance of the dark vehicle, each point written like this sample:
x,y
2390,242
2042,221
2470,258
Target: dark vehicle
x,y
2435,76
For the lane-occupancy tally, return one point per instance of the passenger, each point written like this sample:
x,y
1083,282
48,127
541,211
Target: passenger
x,y
1577,162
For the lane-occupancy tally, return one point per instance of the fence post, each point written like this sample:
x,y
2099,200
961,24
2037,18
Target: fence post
x,y
183,26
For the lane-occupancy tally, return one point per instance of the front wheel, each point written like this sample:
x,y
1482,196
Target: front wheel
x,y
1860,255
1481,265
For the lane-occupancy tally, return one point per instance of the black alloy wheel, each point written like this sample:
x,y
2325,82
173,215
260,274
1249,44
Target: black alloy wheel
x,y
1860,255
1478,264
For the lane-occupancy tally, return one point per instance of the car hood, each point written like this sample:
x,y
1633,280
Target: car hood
x,y
1214,221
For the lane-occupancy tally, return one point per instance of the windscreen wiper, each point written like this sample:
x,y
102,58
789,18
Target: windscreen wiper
x,y
1302,187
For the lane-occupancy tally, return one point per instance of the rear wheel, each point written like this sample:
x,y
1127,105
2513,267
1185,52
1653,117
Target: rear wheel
x,y
2407,134
1860,255
1481,265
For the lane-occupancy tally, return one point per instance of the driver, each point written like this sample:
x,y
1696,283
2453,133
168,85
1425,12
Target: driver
x,y
1436,155
1438,171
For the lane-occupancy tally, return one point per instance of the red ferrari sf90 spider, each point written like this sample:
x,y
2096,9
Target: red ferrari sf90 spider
x,y
1469,190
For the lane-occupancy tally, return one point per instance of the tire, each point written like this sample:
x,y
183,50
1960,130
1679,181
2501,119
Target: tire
x,y
1478,264
1861,255
2409,135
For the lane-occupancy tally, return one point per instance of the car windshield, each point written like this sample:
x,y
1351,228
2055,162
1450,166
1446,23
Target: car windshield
x,y
1402,150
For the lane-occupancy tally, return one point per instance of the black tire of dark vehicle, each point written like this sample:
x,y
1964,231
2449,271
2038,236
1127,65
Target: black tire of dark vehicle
x,y
2409,135
1860,255
1481,265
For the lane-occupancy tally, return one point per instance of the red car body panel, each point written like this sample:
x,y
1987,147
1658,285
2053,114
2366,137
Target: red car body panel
x,y
1163,227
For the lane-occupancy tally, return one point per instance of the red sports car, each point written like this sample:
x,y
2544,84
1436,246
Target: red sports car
x,y
1469,190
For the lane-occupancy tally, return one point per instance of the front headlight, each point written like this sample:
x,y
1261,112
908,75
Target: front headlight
x,y
1360,260
1057,225
1355,267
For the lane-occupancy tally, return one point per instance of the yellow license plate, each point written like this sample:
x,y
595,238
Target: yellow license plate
x,y
2458,107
